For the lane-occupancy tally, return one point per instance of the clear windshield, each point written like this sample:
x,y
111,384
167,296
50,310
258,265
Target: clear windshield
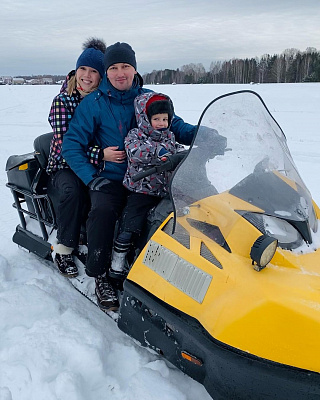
x,y
256,165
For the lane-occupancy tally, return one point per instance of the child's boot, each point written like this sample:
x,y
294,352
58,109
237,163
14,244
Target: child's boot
x,y
118,269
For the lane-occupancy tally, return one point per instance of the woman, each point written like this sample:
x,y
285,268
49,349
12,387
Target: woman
x,y
68,192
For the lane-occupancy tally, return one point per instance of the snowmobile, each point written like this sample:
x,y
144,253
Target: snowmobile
x,y
227,286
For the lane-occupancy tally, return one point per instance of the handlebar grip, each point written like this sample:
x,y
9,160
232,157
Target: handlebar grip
x,y
169,165
143,174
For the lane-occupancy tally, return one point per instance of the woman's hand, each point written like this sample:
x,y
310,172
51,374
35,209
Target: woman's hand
x,y
114,155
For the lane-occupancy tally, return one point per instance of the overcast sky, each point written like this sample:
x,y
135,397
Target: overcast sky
x,y
45,36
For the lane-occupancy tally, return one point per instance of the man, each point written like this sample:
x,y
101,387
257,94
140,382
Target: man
x,y
104,118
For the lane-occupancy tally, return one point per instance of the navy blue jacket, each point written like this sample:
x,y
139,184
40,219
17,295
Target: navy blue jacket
x,y
104,118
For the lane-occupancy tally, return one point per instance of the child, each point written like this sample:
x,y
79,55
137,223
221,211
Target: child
x,y
144,146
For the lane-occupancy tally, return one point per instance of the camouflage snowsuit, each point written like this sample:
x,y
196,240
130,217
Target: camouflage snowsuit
x,y
143,145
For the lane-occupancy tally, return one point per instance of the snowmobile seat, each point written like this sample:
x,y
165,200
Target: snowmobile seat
x,y
41,147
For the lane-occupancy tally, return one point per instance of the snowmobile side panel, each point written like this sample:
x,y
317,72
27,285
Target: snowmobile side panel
x,y
226,372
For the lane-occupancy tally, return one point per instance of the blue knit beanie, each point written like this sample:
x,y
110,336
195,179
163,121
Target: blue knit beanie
x,y
93,56
120,53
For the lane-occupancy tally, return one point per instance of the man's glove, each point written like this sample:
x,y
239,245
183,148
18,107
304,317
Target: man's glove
x,y
220,144
210,139
99,184
174,160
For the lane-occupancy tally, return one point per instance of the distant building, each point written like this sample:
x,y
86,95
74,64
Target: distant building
x,y
35,81
18,81
47,81
40,81
5,80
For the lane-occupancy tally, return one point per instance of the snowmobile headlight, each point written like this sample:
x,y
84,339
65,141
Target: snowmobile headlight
x,y
287,235
262,251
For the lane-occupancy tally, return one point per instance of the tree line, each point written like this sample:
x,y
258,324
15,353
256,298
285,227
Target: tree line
x,y
291,66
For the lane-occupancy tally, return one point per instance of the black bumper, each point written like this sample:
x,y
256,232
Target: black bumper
x,y
226,373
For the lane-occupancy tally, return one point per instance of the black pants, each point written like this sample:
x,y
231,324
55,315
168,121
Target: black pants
x,y
106,208
70,200
136,210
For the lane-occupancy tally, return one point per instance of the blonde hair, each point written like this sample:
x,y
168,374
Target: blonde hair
x,y
72,84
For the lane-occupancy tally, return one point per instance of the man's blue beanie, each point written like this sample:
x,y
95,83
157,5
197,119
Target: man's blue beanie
x,y
120,53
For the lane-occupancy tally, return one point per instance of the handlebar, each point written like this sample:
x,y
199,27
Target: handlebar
x,y
171,162
143,174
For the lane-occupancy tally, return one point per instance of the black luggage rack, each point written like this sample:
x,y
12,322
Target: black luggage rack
x,y
27,180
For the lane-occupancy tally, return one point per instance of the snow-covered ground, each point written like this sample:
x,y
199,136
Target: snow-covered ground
x,y
55,344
